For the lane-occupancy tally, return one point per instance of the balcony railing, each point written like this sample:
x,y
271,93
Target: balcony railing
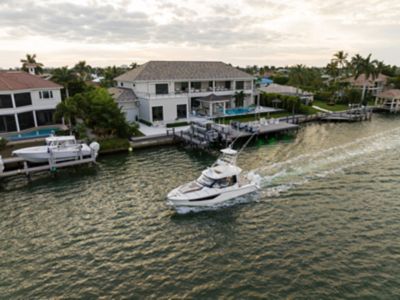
x,y
185,93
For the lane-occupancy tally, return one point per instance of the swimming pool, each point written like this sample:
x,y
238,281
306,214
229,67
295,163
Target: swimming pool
x,y
238,111
41,133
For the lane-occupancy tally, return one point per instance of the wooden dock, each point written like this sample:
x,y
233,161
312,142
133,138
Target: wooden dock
x,y
18,166
222,135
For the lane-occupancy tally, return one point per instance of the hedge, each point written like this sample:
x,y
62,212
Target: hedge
x,y
113,145
177,124
145,122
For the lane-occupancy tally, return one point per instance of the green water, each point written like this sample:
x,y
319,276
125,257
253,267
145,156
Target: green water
x,y
325,224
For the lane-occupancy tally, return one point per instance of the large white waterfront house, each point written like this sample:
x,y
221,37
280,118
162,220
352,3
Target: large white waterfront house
x,y
26,101
170,91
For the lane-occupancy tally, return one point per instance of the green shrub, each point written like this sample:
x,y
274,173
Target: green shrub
x,y
3,143
113,144
280,79
323,96
177,124
134,129
145,122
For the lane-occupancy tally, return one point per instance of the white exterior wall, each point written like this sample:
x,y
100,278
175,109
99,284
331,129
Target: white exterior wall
x,y
146,92
170,107
145,110
37,103
130,110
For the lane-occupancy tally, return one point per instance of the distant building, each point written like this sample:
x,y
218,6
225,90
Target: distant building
x,y
287,90
127,102
26,101
172,90
389,100
374,86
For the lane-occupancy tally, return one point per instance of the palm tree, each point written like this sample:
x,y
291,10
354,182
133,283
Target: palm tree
x,y
239,99
366,67
64,76
66,110
340,58
297,76
83,70
332,69
30,59
133,65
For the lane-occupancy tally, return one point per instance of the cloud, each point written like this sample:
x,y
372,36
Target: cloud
x,y
260,31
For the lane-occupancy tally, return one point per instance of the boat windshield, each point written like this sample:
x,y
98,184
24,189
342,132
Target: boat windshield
x,y
205,181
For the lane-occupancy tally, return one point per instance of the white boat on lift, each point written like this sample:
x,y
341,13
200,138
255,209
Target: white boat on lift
x,y
216,185
58,148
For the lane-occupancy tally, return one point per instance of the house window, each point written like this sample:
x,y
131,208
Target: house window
x,y
44,117
26,120
22,99
181,111
158,113
5,101
239,85
162,89
7,123
46,94
122,84
228,85
196,85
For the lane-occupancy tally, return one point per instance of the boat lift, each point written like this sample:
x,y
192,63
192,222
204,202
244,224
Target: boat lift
x,y
52,165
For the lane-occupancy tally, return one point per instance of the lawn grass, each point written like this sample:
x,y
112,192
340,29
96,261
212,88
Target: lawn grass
x,y
336,107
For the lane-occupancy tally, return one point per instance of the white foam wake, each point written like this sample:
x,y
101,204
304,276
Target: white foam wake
x,y
283,176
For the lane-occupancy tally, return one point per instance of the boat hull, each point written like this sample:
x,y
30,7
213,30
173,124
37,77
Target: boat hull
x,y
213,199
42,154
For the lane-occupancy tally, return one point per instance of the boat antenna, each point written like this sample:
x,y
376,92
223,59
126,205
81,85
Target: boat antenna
x,y
247,142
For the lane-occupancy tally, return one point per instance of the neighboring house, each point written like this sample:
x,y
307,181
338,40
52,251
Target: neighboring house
x,y
287,90
374,86
127,102
265,81
26,101
389,100
173,90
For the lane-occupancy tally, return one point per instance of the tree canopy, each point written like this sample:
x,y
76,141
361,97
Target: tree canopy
x,y
96,110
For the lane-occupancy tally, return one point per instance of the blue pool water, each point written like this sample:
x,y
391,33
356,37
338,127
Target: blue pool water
x,y
238,111
32,134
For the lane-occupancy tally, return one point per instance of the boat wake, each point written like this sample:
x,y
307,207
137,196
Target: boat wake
x,y
282,176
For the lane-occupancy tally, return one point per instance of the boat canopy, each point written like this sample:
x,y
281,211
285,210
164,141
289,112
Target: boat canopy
x,y
222,171
60,139
229,151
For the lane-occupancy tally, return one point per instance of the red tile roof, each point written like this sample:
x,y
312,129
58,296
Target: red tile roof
x,y
13,80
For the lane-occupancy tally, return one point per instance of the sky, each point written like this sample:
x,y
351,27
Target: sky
x,y
241,32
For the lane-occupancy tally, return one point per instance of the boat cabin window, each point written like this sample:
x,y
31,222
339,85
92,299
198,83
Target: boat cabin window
x,y
220,183
62,143
224,182
205,181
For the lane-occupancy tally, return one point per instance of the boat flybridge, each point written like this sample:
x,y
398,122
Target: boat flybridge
x,y
59,148
217,184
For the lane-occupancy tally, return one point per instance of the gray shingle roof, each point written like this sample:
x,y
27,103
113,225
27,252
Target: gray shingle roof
x,y
183,70
122,94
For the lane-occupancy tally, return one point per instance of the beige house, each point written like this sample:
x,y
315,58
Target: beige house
x,y
287,90
374,86
389,100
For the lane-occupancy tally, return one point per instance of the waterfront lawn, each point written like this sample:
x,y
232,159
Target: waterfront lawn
x,y
336,107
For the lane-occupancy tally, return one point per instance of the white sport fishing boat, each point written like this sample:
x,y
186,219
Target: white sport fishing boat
x,y
58,148
219,183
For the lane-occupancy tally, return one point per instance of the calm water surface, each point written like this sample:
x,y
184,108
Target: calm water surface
x,y
326,224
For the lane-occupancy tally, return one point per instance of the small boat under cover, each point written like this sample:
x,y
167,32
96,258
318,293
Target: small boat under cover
x,y
58,148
